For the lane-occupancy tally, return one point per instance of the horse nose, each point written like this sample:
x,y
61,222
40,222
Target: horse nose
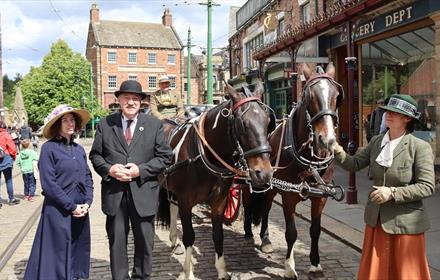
x,y
262,176
327,141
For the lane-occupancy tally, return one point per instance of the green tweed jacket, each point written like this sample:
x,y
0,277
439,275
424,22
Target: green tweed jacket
x,y
412,173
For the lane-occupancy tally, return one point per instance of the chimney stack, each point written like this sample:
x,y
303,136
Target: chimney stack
x,y
167,18
94,13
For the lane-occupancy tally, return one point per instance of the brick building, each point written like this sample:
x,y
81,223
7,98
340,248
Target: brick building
x,y
120,50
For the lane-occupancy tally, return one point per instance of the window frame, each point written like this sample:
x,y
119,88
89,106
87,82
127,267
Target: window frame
x,y
155,58
135,57
108,57
109,80
150,82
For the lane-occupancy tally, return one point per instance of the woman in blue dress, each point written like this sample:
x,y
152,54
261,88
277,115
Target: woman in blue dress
x,y
61,248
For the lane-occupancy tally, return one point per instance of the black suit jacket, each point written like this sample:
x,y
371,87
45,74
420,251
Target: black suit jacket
x,y
148,150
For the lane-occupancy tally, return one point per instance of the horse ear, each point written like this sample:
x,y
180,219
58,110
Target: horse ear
x,y
232,92
331,70
259,89
306,70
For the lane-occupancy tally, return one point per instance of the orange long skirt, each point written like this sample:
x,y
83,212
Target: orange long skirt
x,y
393,256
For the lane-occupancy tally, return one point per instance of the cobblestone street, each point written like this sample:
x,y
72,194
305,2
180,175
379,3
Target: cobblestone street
x,y
243,259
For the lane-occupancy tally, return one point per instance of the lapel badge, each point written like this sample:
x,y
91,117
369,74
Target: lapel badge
x,y
141,128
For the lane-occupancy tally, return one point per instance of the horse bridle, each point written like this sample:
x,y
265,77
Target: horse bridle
x,y
239,128
325,112
232,121
316,162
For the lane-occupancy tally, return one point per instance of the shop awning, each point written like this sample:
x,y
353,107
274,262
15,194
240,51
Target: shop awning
x,y
336,15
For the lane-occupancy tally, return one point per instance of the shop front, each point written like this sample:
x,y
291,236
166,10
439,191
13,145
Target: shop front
x,y
396,53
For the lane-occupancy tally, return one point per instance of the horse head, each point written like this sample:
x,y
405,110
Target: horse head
x,y
250,122
322,96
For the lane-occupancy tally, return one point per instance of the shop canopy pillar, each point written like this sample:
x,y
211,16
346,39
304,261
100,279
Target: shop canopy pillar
x,y
436,18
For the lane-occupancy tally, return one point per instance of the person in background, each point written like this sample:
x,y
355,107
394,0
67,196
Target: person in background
x,y
61,248
8,153
25,132
166,104
376,118
16,138
129,152
25,160
402,167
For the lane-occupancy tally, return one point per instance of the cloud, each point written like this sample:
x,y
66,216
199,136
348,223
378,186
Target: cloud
x,y
29,28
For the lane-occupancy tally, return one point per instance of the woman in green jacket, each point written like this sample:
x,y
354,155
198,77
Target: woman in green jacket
x,y
402,167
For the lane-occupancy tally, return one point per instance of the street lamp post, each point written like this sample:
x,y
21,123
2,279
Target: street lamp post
x,y
83,105
91,100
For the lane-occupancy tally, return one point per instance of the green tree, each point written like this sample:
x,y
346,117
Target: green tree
x,y
9,87
62,78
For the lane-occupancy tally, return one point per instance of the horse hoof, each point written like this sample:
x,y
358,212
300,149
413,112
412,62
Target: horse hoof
x,y
178,249
249,236
225,277
290,278
315,269
266,247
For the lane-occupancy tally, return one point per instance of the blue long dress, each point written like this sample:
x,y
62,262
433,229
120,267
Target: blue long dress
x,y
61,248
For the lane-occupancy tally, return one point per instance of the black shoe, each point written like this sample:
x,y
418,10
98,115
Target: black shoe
x,y
14,201
1,205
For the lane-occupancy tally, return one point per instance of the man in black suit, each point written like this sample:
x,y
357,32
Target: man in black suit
x,y
129,152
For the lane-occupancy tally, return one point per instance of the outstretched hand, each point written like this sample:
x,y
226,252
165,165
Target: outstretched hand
x,y
336,148
380,195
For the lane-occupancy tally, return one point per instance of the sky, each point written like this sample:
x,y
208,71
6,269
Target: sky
x,y
30,27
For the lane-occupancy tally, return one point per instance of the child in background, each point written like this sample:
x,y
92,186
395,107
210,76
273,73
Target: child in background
x,y
25,161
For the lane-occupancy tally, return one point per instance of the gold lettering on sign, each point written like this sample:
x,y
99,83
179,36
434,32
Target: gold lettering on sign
x,y
398,17
366,29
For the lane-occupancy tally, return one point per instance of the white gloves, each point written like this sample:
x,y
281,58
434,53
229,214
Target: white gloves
x,y
337,149
381,194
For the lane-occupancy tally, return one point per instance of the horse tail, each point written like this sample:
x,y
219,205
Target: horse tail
x,y
163,211
257,200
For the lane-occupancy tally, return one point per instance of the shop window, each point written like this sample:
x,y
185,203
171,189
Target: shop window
x,y
402,64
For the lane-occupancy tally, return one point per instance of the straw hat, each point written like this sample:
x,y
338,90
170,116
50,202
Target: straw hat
x,y
164,79
403,104
59,112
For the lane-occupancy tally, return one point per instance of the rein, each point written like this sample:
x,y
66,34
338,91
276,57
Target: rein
x,y
201,133
243,154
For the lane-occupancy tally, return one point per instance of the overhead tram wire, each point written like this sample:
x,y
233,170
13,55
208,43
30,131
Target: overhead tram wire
x,y
55,10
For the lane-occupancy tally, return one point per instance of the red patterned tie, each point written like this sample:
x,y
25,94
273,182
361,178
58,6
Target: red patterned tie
x,y
128,135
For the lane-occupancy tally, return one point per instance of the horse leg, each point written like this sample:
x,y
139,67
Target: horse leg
x,y
247,223
315,231
176,245
188,240
289,204
266,245
217,236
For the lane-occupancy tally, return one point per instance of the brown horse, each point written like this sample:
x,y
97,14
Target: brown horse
x,y
300,145
229,139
